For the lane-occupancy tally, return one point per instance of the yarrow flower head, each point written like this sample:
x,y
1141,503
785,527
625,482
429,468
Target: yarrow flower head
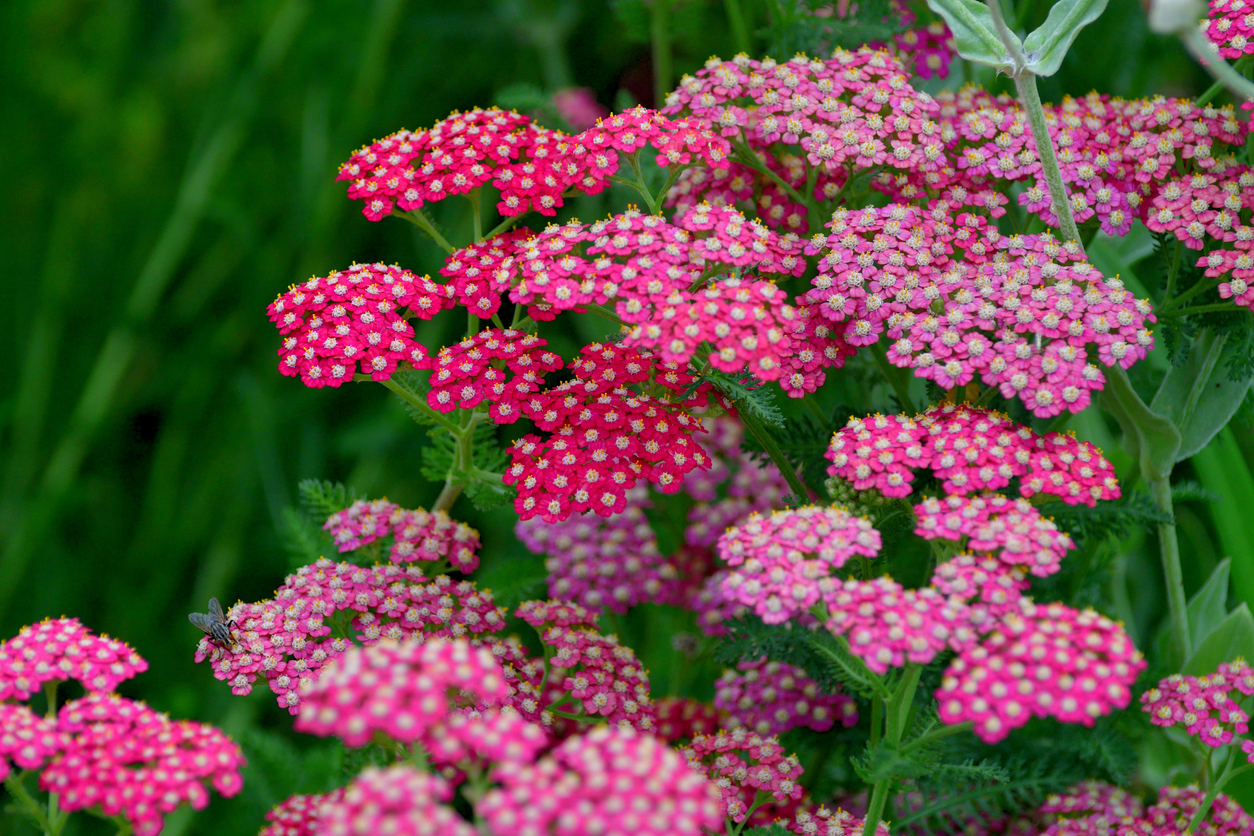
x,y
60,649
333,325
300,815
970,450
681,718
398,799
741,764
1205,707
480,273
579,789
773,698
473,371
1045,660
1229,27
417,535
287,639
825,822
26,739
1090,808
1012,531
131,761
1172,814
778,562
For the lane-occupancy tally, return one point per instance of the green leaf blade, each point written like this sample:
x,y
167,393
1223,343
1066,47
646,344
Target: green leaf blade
x,y
1048,44
974,33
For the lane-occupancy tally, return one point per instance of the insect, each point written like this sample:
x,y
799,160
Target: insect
x,y
215,624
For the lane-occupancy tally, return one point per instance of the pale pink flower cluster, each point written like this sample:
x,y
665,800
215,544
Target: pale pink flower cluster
x,y
417,535
969,449
825,822
56,650
1175,808
778,562
1090,808
288,639
773,698
581,789
1011,530
741,763
1043,660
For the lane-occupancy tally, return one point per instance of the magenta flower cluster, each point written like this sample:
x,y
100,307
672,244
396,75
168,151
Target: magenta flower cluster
x,y
1011,530
771,698
417,535
742,764
56,650
1205,706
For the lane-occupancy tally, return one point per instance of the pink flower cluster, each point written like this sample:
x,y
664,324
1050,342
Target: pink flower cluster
x,y
480,273
56,650
779,562
1204,706
1045,660
603,437
741,764
288,639
681,718
579,789
131,761
969,449
990,587
430,536
824,822
1175,809
533,167
887,625
26,739
473,371
748,484
599,676
772,698
1090,808
398,800
1011,530
601,562
961,301
930,48
1230,26
357,317
443,694
300,815
640,260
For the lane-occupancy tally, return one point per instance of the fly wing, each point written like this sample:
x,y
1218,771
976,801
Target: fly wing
x,y
204,622
215,609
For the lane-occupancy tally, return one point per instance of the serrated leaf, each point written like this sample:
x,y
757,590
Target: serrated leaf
x,y
975,35
1232,639
1048,44
1198,397
303,539
1209,607
321,498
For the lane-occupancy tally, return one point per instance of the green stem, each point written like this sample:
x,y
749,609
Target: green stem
x,y
759,431
18,790
605,313
736,19
1219,307
641,186
661,37
822,419
1202,285
903,698
419,219
1030,98
1217,88
1173,270
875,808
751,159
893,375
476,216
421,406
503,225
1228,774
1160,489
1198,43
932,736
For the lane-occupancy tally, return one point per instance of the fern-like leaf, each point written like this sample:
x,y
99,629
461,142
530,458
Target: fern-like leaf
x,y
321,498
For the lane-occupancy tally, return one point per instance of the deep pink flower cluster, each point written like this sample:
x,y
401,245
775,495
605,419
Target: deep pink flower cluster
x,y
990,587
1011,530
1204,706
1175,808
418,534
1230,26
288,639
969,449
480,273
1045,660
681,718
779,561
1090,808
772,698
678,142
55,650
473,371
929,48
395,800
26,739
131,761
638,260
601,562
581,789
446,695
357,317
824,822
600,676
741,764
962,301
887,625
603,437
300,815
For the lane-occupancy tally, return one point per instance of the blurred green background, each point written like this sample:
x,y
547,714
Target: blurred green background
x,y
170,167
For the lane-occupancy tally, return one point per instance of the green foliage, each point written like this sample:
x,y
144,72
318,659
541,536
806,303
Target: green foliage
x,y
415,385
321,498
481,480
804,441
277,769
1048,44
747,394
1115,519
303,539
795,27
1233,638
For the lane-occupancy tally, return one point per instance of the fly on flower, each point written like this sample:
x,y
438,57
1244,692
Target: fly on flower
x,y
215,624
